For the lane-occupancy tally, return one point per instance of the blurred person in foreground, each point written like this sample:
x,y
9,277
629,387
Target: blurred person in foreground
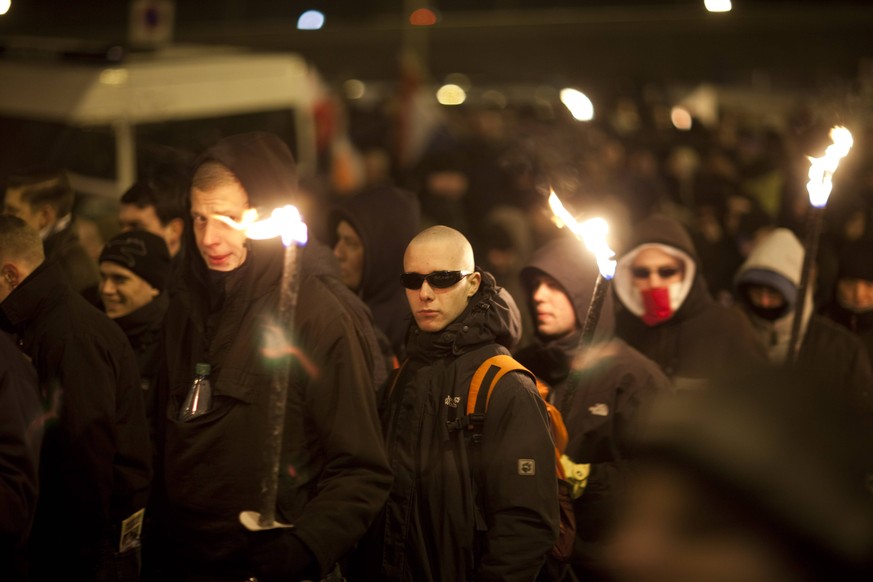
x,y
666,312
20,437
44,200
767,291
461,510
759,479
95,463
334,476
852,305
369,232
599,390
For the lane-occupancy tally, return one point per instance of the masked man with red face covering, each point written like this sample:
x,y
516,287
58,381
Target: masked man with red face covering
x,y
667,313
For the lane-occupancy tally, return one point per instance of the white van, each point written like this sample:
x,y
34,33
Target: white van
x,y
96,114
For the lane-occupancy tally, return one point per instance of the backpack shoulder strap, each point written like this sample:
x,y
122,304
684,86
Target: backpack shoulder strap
x,y
489,373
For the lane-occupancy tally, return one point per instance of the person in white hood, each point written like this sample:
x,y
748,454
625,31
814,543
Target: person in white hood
x,y
767,290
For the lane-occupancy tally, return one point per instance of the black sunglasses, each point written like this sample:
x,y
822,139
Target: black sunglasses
x,y
645,272
437,279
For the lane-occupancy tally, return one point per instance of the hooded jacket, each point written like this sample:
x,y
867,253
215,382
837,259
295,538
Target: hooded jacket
x,y
702,339
826,349
385,219
430,524
335,477
855,262
95,464
610,385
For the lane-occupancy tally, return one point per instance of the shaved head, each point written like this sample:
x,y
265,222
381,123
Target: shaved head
x,y
445,246
440,248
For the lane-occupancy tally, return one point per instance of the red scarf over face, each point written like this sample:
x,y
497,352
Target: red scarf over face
x,y
656,303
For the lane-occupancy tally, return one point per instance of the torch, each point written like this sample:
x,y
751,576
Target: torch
x,y
284,222
821,173
592,233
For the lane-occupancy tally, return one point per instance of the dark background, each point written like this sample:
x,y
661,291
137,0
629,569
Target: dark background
x,y
804,45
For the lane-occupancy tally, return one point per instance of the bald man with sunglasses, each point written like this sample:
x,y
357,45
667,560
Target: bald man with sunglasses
x,y
461,508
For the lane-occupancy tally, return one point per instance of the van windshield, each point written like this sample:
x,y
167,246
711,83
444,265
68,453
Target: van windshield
x,y
195,135
29,143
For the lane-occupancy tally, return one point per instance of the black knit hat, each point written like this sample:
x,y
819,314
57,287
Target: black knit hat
x,y
144,253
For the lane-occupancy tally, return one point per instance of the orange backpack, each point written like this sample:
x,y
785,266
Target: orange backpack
x,y
489,373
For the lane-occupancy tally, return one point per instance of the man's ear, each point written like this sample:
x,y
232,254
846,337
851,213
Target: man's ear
x,y
11,275
474,280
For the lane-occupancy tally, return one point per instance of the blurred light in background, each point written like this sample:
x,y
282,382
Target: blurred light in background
x,y
310,20
579,105
113,77
718,5
4,6
450,94
681,118
354,89
423,17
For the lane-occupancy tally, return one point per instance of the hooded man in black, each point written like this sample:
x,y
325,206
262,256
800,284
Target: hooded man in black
x,y
334,475
368,233
599,400
462,510
666,312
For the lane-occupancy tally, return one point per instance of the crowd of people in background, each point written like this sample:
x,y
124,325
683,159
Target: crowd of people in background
x,y
693,444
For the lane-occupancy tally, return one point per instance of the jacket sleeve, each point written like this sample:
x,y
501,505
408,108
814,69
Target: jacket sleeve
x,y
356,478
518,482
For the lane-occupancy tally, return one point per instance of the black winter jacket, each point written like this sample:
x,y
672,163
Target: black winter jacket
x,y
702,339
20,438
95,466
599,403
334,476
430,530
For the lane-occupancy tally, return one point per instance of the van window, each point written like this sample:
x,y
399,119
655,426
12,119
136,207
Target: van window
x,y
88,150
195,135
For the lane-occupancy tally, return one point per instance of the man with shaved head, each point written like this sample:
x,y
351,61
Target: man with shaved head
x,y
465,504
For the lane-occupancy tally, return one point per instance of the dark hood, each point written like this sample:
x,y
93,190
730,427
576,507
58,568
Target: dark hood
x,y
262,163
266,169
491,316
386,219
566,260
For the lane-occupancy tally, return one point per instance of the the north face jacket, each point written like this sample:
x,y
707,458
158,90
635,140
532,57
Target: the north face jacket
x,y
429,532
599,403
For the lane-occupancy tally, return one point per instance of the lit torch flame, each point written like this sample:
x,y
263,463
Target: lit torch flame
x,y
592,232
821,170
284,222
